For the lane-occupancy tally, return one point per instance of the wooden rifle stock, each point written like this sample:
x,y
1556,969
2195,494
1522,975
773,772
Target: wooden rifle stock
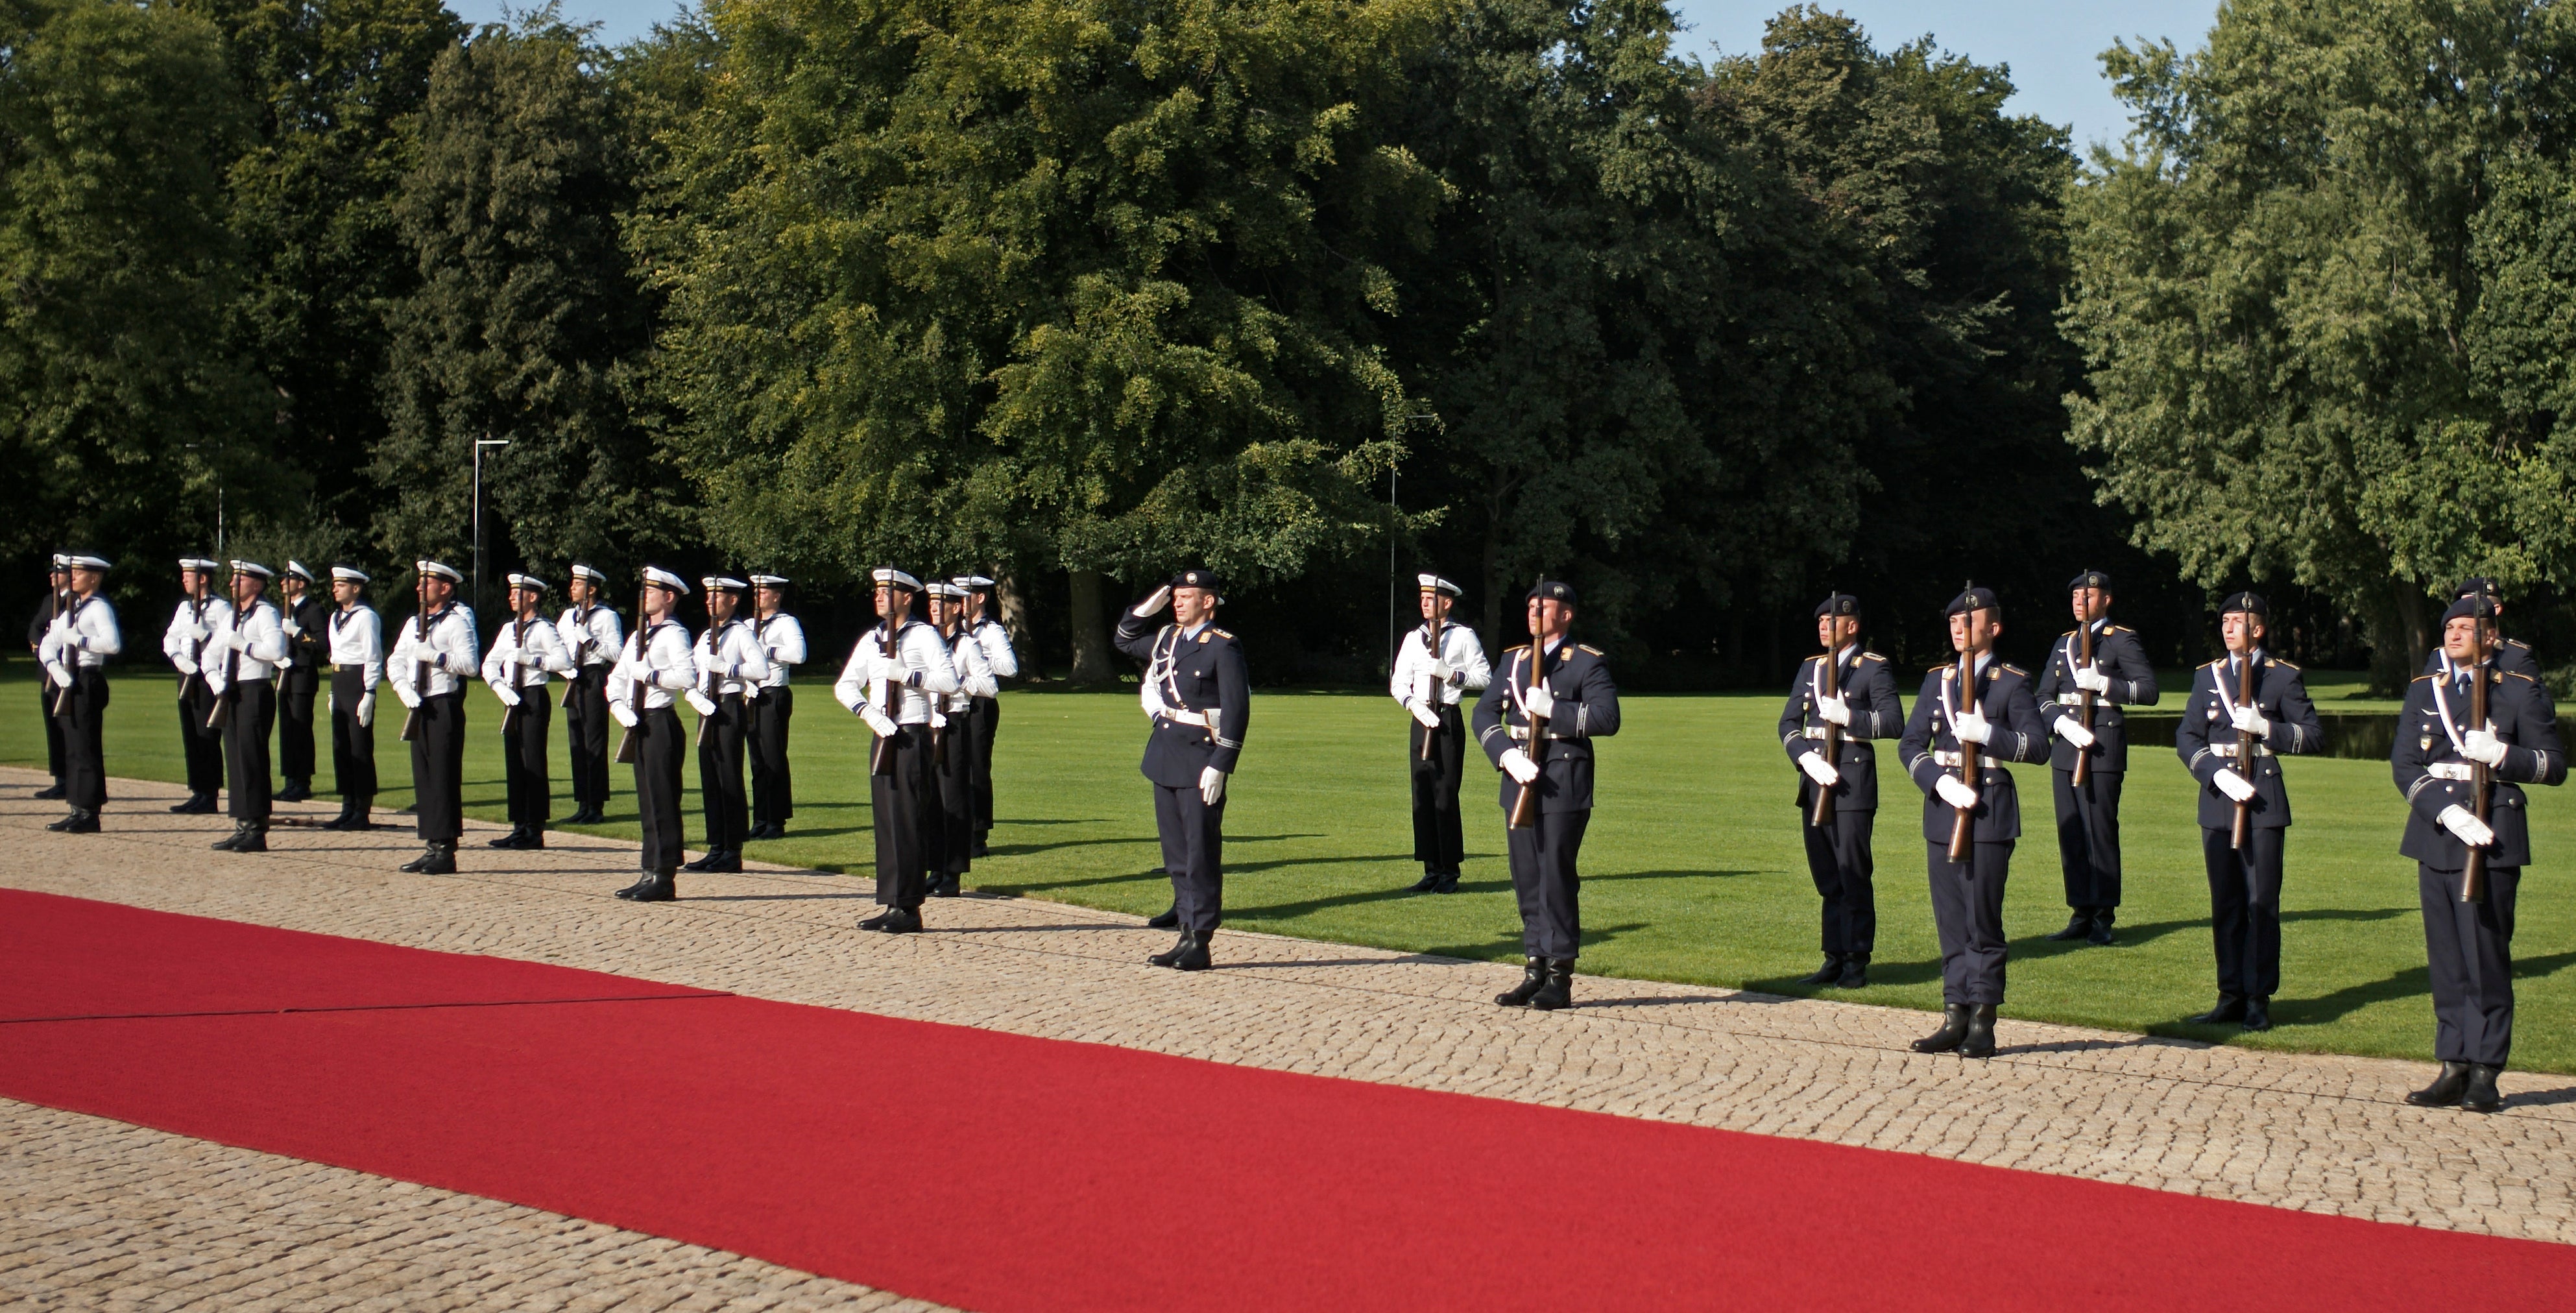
x,y
2473,872
641,637
1831,677
419,673
2237,834
518,676
881,752
1963,824
1430,690
223,709
63,695
2084,705
1525,807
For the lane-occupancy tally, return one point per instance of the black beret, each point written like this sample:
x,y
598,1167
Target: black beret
x,y
2468,606
1554,588
2090,579
1974,599
2250,603
1197,578
1838,604
2473,585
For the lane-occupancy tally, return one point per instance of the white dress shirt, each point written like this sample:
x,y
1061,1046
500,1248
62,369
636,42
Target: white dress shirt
x,y
657,662
1469,672
447,652
919,670
83,635
998,657
974,676
728,658
248,646
591,634
784,640
358,639
522,657
192,627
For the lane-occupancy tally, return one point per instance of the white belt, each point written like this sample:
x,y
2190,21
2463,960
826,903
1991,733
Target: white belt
x,y
2229,750
1177,717
1819,731
1987,766
2450,770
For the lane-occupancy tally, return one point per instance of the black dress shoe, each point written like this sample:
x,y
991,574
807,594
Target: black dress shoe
x,y
2258,1013
944,885
1173,954
1447,884
2446,1089
439,860
232,840
877,922
63,824
413,866
254,839
1979,1042
658,887
296,791
1532,976
1167,919
1855,972
1557,991
901,921
510,840
54,794
979,850
198,804
79,822
2231,1007
2077,926
2482,1095
1423,885
1196,958
701,863
727,862
1954,1028
642,883
535,839
2102,918
1827,974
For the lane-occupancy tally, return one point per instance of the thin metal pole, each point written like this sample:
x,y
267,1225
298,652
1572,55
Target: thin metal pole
x,y
1390,570
478,533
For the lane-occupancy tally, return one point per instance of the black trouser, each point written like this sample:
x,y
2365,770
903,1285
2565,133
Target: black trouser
x,y
905,806
657,787
1193,835
1968,911
246,729
2088,836
202,747
956,772
57,758
2245,909
2468,948
720,776
438,767
773,797
1839,861
980,728
1546,882
353,746
586,725
523,760
1439,838
295,690
84,758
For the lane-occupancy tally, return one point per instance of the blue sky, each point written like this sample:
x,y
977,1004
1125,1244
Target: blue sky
x,y
2049,44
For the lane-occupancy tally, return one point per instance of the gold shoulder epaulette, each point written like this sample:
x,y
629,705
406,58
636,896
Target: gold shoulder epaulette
x,y
2215,664
2517,675
2072,632
1523,647
2276,661
1587,647
2421,678
2016,669
1946,665
1213,632
1872,656
2115,629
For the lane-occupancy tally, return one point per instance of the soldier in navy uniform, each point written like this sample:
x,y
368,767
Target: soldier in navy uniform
x,y
2512,655
1437,664
57,585
2088,817
78,642
2245,883
305,618
1568,686
896,674
2468,946
2001,718
1195,678
1864,706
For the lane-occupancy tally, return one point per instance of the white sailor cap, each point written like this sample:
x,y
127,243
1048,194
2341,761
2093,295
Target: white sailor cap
x,y
348,573
890,575
61,563
82,561
724,583
253,569
580,571
528,581
770,581
439,568
971,581
661,578
949,591
199,563
1432,583
300,570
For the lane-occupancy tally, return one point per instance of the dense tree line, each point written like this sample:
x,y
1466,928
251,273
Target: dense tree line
x,y
1310,290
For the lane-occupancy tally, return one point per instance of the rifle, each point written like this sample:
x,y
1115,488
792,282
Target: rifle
x,y
2237,835
2473,874
419,639
881,752
1431,688
1831,675
1525,807
1963,826
518,674
54,612
641,636
2084,704
708,684
223,710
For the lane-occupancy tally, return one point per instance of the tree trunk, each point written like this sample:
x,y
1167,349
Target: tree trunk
x,y
2417,629
1011,608
1090,628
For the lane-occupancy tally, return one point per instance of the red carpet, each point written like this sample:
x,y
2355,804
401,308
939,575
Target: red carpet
x,y
999,1172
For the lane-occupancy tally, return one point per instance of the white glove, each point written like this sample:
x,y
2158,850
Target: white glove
x,y
1819,769
2250,721
2465,823
1955,791
2235,786
367,709
409,698
1836,709
622,713
287,623
1422,712
879,723
330,704
2483,746
2092,681
62,674
509,696
1518,765
1439,669
1970,726
1537,701
2073,731
1154,603
1211,786
199,632
706,706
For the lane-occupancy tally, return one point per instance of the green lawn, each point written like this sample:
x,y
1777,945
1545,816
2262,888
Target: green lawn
x,y
1694,870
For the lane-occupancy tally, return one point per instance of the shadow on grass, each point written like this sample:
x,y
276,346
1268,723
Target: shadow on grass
x,y
1668,875
2413,982
1504,948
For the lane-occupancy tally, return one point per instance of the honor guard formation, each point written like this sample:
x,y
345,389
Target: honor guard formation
x,y
250,645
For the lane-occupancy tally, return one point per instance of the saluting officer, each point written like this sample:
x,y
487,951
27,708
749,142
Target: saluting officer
x,y
525,651
2088,814
2468,943
1201,700
302,615
2512,655
1989,707
253,647
2246,692
773,704
82,635
591,633
57,590
435,652
1567,687
656,664
201,742
1863,706
893,674
729,661
1437,664
357,638
952,755
987,718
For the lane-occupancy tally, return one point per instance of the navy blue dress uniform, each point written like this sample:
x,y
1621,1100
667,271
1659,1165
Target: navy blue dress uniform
x,y
79,639
656,663
773,707
1437,665
192,626
434,654
306,619
1201,698
1545,855
2512,656
525,651
252,647
2245,884
2468,946
356,638
1968,897
592,633
2088,817
1838,852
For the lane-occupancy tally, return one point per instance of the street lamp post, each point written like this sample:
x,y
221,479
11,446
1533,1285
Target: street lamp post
x,y
479,445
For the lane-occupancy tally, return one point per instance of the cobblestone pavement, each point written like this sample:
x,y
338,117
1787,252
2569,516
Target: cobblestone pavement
x,y
2320,1133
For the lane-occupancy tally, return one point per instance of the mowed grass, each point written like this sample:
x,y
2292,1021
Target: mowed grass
x,y
1693,866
